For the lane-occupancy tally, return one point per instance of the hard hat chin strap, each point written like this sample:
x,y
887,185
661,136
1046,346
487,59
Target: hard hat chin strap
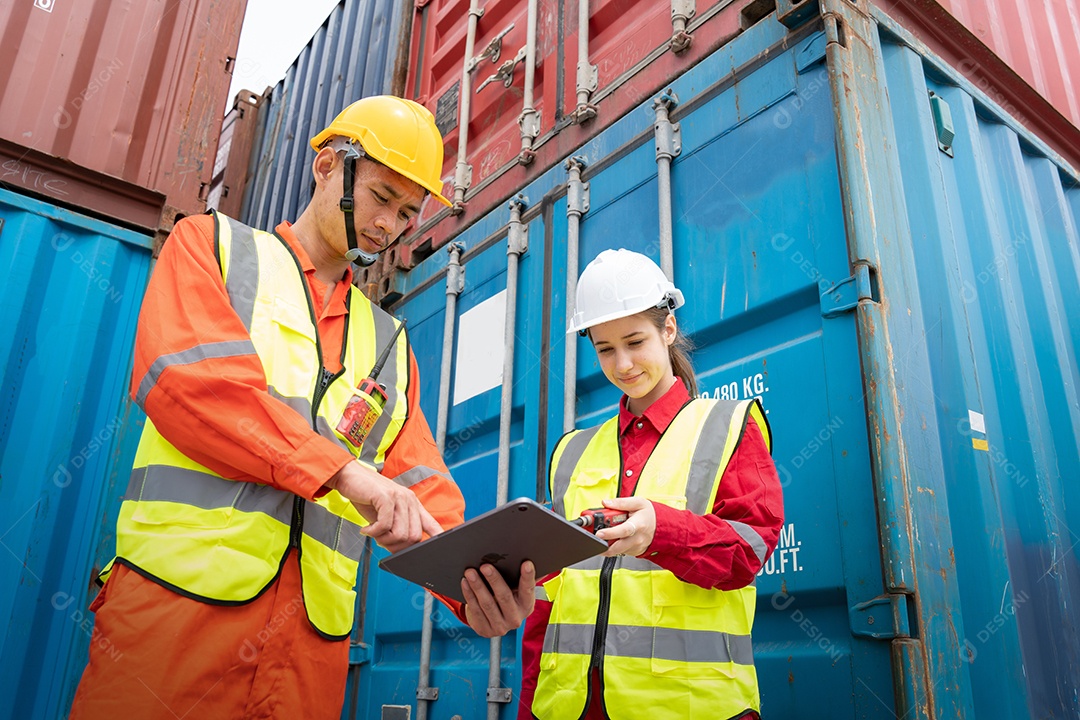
x,y
354,253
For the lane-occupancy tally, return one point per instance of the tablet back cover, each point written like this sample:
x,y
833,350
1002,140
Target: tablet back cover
x,y
505,537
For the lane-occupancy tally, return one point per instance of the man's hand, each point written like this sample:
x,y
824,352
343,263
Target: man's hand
x,y
634,536
397,518
495,612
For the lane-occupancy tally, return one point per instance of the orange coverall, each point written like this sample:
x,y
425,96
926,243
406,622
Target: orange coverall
x,y
158,654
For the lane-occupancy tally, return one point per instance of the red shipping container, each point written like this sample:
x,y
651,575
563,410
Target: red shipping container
x,y
134,90
1019,53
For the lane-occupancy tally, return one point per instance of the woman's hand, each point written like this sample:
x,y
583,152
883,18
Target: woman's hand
x,y
634,536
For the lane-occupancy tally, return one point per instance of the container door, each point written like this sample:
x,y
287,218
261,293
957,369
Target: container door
x,y
759,252
392,619
69,303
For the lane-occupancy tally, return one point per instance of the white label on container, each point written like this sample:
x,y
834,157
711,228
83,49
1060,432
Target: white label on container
x,y
481,348
978,423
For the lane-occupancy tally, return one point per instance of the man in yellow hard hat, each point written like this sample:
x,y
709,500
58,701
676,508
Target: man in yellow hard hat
x,y
283,427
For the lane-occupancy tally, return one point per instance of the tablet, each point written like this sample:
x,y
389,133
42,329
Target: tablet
x,y
505,537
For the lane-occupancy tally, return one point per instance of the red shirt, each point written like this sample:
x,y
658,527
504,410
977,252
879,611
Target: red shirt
x,y
703,550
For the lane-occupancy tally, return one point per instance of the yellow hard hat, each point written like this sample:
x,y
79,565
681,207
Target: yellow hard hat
x,y
400,134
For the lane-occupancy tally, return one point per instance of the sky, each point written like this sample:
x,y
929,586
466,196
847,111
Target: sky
x,y
273,34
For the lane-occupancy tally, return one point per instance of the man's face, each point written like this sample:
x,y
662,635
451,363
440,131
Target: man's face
x,y
384,204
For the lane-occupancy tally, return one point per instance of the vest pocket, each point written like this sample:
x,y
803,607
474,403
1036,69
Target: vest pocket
x,y
702,653
170,513
292,347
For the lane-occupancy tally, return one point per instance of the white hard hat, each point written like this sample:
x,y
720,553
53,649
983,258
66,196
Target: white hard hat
x,y
617,284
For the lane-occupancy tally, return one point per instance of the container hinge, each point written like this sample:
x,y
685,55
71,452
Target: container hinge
x,y
846,295
455,271
883,618
577,192
498,695
428,693
359,654
795,13
682,11
668,134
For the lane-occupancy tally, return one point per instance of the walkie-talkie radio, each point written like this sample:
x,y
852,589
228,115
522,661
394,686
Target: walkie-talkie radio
x,y
366,405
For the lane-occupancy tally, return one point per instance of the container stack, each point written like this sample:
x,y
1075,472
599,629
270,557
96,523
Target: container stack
x,y
109,122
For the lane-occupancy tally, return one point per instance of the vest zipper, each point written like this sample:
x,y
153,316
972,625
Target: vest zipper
x,y
325,378
596,662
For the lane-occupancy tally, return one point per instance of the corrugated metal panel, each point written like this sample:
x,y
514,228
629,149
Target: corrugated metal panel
x,y
27,171
231,171
133,90
350,57
631,45
926,427
1039,40
69,304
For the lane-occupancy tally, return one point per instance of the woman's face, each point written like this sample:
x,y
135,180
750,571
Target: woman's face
x,y
634,356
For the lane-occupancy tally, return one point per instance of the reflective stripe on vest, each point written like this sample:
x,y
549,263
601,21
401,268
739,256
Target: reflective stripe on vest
x,y
221,540
666,644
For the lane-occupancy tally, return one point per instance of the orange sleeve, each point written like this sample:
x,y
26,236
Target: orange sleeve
x,y
414,460
198,378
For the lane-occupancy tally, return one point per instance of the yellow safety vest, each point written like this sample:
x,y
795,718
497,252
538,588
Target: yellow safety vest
x,y
224,541
664,648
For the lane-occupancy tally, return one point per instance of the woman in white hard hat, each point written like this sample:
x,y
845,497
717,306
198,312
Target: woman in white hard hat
x,y
659,626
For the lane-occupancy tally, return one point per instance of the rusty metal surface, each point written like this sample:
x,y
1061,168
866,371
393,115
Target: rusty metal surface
x,y
37,174
232,168
133,90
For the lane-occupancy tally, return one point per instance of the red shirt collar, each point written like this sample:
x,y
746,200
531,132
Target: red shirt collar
x,y
337,305
660,413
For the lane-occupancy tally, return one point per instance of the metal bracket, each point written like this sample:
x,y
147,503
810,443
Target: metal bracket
x,y
681,13
795,13
943,123
505,73
530,123
588,77
359,653
517,235
462,182
428,693
455,271
668,134
498,695
883,618
844,296
577,192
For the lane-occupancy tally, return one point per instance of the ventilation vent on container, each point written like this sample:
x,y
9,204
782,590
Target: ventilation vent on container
x,y
943,124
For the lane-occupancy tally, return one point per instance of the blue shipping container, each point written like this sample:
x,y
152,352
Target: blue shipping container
x,y
876,250
350,57
69,303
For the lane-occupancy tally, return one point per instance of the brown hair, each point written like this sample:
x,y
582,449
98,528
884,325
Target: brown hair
x,y
679,351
